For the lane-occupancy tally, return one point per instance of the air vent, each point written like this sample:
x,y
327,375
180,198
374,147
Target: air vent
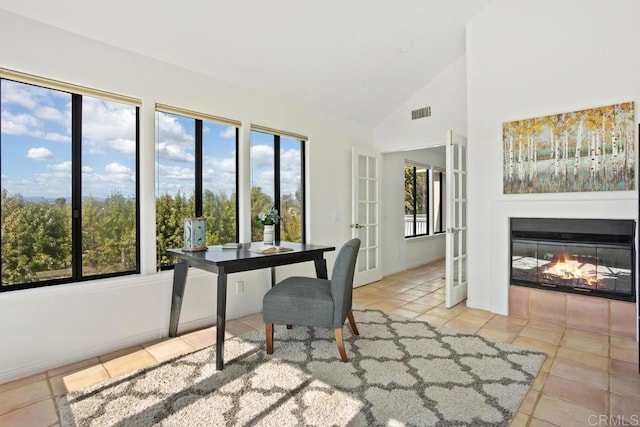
x,y
420,113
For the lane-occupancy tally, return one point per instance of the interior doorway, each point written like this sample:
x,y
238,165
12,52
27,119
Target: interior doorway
x,y
412,235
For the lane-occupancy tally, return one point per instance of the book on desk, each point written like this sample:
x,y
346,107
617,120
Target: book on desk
x,y
269,249
231,245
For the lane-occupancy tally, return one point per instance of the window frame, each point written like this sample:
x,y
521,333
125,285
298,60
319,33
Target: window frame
x,y
77,94
414,193
302,140
199,119
432,229
441,228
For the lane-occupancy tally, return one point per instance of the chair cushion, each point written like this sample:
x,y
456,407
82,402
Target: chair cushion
x,y
302,301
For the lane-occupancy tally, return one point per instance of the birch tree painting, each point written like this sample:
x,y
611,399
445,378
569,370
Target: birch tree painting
x,y
587,150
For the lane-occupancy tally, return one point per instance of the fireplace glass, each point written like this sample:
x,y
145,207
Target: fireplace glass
x,y
579,261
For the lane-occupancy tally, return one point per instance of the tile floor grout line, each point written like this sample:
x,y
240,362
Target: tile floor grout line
x,y
413,280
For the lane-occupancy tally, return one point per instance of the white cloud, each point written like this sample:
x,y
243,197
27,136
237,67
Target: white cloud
x,y
126,146
52,136
170,129
20,94
20,124
261,156
174,142
176,179
173,152
108,125
228,133
63,167
39,153
52,114
176,172
290,160
219,174
45,114
117,168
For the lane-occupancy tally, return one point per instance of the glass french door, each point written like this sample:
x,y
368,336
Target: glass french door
x,y
365,215
456,184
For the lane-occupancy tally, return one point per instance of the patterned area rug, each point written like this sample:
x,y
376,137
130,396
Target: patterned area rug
x,y
400,372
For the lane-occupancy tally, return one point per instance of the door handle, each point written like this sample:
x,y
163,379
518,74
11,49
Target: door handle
x,y
357,226
453,230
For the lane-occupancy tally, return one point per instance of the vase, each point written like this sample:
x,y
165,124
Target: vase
x,y
268,235
194,234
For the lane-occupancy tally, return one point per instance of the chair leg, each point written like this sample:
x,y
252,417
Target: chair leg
x,y
340,342
352,322
268,329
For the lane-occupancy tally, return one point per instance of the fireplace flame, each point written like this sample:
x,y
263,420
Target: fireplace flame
x,y
568,267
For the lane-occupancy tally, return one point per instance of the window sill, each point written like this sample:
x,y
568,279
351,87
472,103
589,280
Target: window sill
x,y
425,237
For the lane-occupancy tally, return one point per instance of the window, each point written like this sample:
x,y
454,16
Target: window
x,y
439,201
69,183
277,180
424,200
196,170
416,201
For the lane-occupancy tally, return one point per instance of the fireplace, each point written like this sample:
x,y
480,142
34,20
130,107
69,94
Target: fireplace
x,y
594,257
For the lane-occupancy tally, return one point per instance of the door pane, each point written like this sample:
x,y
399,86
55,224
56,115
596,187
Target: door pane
x,y
463,269
463,238
362,235
456,245
456,157
372,255
362,166
372,172
362,189
463,150
463,213
362,213
372,189
372,235
362,261
463,179
456,185
372,213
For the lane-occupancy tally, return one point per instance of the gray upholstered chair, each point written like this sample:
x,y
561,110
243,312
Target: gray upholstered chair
x,y
309,301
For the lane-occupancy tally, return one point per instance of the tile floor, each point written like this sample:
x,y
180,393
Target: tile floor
x,y
588,379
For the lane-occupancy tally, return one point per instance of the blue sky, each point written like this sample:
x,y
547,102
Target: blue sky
x,y
36,148
36,143
176,153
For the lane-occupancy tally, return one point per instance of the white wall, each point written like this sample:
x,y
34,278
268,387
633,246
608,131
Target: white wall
x,y
399,253
48,327
528,59
447,96
397,134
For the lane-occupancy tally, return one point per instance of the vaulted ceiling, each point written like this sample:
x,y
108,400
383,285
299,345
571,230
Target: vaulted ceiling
x,y
359,59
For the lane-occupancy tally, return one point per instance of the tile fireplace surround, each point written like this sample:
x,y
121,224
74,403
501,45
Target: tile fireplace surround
x,y
606,316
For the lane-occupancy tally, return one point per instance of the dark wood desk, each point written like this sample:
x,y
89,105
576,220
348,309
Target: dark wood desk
x,y
225,261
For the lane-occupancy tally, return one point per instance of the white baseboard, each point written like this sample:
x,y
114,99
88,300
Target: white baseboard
x,y
77,356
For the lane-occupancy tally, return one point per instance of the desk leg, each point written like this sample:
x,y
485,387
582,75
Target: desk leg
x,y
221,319
321,268
179,282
